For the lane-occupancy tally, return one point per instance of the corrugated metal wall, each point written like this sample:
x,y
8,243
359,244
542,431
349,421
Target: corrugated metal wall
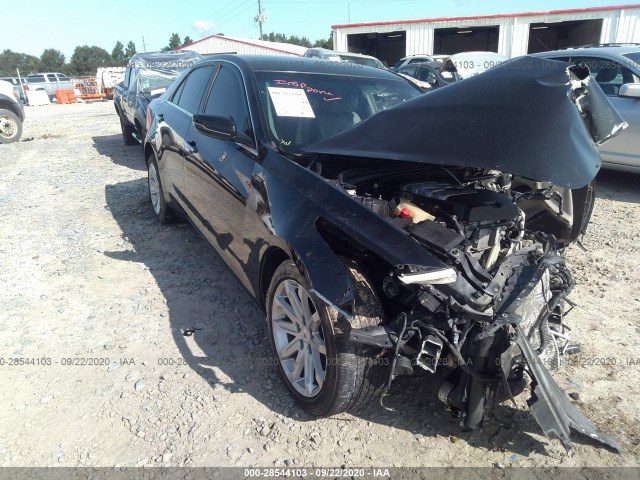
x,y
618,26
218,44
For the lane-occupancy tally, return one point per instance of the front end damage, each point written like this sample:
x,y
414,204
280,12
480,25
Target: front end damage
x,y
496,205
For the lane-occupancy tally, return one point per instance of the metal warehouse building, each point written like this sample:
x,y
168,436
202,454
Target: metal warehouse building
x,y
223,44
508,34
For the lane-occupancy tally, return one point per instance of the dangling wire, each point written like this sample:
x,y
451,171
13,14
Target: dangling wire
x,y
385,392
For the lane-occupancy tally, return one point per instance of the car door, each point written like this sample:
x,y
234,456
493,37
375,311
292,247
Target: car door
x,y
623,149
218,173
173,125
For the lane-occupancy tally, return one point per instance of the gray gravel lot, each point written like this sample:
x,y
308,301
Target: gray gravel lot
x,y
96,295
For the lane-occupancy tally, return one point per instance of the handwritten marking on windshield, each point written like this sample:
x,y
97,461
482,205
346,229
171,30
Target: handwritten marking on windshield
x,y
307,88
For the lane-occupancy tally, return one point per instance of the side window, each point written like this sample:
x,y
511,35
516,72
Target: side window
x,y
416,60
609,74
63,78
193,89
52,78
227,98
426,75
176,95
408,70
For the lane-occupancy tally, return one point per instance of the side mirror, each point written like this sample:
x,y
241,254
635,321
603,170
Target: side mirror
x,y
630,90
220,127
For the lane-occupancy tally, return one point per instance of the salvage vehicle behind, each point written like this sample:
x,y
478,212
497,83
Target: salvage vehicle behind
x,y
616,69
50,82
146,77
467,64
333,55
11,114
384,239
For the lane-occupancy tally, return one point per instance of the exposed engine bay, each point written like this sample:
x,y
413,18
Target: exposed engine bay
x,y
495,315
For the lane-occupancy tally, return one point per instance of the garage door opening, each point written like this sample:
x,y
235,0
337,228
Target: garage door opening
x,y
388,47
449,41
554,36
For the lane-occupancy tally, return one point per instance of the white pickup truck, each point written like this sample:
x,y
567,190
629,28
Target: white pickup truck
x,y
51,82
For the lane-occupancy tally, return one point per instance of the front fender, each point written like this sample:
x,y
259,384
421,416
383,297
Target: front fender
x,y
298,198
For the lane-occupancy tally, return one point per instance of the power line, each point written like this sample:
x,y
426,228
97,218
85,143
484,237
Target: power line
x,y
237,14
218,12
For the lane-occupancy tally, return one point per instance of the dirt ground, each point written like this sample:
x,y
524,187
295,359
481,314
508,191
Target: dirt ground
x,y
95,297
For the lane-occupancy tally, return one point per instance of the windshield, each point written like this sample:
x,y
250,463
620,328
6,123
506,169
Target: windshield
x,y
304,108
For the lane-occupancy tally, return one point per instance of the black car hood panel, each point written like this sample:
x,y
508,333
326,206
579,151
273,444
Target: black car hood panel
x,y
530,117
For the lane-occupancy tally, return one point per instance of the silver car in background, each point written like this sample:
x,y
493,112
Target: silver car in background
x,y
616,68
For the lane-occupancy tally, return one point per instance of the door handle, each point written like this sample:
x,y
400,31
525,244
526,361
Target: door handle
x,y
191,147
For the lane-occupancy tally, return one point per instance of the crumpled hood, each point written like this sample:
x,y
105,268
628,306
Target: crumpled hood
x,y
531,117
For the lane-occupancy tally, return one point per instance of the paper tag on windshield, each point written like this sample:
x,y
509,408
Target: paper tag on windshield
x,y
291,102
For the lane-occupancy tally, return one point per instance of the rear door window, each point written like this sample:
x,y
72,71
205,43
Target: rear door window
x,y
193,89
52,78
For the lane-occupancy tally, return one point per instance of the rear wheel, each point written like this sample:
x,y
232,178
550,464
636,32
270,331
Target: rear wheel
x,y
10,127
324,371
127,133
156,193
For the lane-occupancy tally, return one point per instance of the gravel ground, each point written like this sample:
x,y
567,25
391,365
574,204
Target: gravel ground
x,y
97,296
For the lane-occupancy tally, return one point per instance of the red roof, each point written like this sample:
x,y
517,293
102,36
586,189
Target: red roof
x,y
234,39
478,17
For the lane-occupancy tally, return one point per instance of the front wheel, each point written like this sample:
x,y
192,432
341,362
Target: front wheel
x,y
324,372
10,127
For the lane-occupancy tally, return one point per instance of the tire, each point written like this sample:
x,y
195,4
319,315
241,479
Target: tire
x,y
156,193
10,127
127,133
353,373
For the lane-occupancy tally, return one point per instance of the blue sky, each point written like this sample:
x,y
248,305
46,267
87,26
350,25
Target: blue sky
x,y
103,23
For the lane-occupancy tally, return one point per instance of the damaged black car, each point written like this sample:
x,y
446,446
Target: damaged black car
x,y
387,233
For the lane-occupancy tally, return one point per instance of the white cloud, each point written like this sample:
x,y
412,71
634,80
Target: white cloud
x,y
202,27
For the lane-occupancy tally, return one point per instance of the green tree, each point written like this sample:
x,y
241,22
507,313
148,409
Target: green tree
x,y
130,51
174,41
118,57
293,39
86,60
52,60
187,40
10,60
325,43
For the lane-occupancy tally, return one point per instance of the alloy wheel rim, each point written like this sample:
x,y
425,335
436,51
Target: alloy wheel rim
x,y
154,188
299,338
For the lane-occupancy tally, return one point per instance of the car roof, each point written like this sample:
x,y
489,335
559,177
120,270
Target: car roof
x,y
281,63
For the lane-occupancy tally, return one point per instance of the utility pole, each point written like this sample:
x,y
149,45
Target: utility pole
x,y
260,18
144,45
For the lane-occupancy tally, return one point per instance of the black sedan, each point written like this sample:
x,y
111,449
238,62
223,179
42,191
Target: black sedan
x,y
385,232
